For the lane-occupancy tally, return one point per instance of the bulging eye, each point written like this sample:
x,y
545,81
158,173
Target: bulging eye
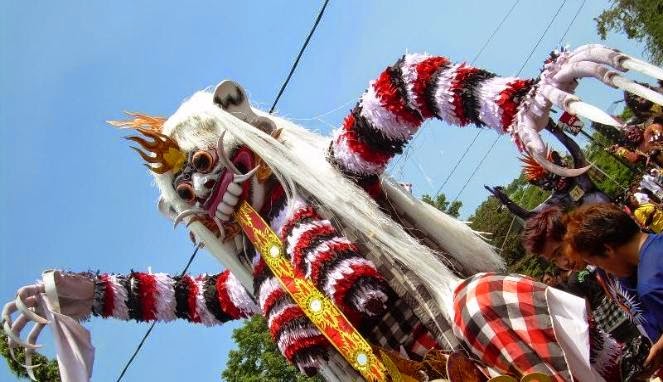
x,y
185,191
203,161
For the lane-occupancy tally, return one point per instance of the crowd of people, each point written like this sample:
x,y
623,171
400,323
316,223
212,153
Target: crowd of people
x,y
604,256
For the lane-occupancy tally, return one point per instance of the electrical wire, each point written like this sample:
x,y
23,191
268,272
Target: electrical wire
x,y
492,146
276,100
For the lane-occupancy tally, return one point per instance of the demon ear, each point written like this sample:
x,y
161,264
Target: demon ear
x,y
166,209
231,97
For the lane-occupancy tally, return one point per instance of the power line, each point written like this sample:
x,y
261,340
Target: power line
x,y
299,55
476,56
573,20
193,255
149,331
492,146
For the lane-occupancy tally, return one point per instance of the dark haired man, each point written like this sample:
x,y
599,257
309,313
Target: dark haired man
x,y
606,236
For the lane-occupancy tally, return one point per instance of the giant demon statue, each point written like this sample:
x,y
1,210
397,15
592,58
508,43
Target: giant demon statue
x,y
389,262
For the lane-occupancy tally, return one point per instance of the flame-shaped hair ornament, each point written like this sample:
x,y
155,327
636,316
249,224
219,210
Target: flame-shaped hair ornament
x,y
163,153
532,169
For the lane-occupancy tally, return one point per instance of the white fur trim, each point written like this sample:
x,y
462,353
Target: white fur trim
x,y
120,309
240,297
206,317
296,234
290,336
444,97
351,159
342,269
409,75
489,112
268,287
286,213
322,248
166,303
382,119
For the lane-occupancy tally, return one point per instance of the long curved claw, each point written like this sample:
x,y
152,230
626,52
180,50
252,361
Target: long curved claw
x,y
8,331
191,211
643,67
20,305
559,170
239,179
223,156
32,338
7,311
591,112
637,89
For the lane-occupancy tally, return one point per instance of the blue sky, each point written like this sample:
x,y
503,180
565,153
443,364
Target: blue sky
x,y
75,197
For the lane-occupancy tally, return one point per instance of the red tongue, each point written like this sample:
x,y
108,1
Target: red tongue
x,y
226,178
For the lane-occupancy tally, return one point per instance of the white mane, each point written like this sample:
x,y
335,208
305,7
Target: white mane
x,y
299,161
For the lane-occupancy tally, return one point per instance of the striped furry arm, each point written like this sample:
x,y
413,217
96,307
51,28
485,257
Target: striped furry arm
x,y
209,300
415,88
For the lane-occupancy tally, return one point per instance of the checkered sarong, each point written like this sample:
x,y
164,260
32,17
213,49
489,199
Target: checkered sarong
x,y
608,316
504,320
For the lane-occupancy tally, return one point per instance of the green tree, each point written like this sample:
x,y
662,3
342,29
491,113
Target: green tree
x,y
257,359
47,372
441,203
638,19
503,230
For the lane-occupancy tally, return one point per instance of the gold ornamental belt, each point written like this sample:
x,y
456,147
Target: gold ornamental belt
x,y
324,314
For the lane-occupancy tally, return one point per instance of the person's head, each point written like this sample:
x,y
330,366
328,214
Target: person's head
x,y
543,235
603,235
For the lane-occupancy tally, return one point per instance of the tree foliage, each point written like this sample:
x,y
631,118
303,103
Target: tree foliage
x,y
47,372
257,359
638,19
441,203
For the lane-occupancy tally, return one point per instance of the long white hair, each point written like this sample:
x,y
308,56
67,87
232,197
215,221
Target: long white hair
x,y
299,160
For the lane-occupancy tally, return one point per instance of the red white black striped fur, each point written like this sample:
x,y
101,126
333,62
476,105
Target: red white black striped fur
x,y
209,300
418,87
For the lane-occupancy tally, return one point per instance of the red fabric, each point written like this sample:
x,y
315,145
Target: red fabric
x,y
288,314
519,342
425,70
324,257
224,298
302,344
457,87
304,242
271,300
147,290
109,303
192,288
299,215
358,147
391,100
508,103
422,342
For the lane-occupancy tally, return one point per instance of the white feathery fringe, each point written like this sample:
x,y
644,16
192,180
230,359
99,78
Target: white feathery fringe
x,y
285,214
240,297
268,287
291,335
166,303
444,97
382,119
296,234
352,159
489,93
342,269
206,317
409,74
120,309
324,247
